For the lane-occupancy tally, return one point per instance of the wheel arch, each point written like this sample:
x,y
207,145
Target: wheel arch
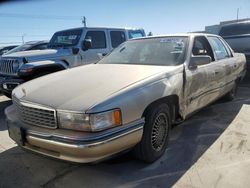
x,y
173,103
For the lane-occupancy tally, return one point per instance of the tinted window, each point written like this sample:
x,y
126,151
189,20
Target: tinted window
x,y
22,47
40,47
218,48
201,46
167,51
239,29
98,39
117,37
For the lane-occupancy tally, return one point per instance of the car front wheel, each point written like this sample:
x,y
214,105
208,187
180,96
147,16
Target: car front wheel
x,y
155,134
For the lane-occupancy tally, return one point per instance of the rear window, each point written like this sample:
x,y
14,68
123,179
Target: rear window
x,y
239,29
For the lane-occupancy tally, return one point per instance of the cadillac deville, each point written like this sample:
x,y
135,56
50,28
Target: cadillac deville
x,y
128,100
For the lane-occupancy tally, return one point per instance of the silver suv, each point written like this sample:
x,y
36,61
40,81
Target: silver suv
x,y
68,48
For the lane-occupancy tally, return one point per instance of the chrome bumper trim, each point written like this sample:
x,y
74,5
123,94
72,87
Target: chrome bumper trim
x,y
95,140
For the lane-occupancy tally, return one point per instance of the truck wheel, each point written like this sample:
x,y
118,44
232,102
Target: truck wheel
x,y
232,93
155,134
7,94
41,74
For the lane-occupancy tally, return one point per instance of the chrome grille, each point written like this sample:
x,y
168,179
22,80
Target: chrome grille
x,y
7,66
36,115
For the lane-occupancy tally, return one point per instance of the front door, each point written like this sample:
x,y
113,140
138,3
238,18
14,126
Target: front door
x,y
99,46
201,82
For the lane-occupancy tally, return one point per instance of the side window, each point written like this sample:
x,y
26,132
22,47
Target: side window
x,y
40,47
117,37
201,46
229,51
98,39
218,48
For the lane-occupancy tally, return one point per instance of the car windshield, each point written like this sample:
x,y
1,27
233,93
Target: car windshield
x,y
22,47
65,38
167,51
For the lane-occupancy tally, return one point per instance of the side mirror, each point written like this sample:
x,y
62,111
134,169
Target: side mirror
x,y
87,44
75,51
195,61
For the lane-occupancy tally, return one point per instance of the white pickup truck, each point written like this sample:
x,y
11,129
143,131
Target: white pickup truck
x,y
68,48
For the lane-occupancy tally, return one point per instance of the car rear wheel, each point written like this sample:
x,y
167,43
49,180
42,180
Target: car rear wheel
x,y
232,93
155,134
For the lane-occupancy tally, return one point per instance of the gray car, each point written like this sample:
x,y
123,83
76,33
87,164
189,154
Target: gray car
x,y
129,100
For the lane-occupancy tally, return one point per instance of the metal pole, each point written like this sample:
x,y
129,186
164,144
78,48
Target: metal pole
x,y
23,38
238,13
84,21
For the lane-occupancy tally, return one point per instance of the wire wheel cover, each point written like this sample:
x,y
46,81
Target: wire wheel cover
x,y
159,131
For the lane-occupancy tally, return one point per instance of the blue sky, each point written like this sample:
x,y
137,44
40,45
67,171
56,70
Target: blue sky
x,y
159,16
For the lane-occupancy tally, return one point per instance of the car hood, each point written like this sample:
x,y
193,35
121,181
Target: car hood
x,y
32,55
80,88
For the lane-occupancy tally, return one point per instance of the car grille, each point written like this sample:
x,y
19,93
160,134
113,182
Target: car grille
x,y
36,115
7,66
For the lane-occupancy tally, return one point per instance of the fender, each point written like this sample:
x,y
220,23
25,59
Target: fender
x,y
31,69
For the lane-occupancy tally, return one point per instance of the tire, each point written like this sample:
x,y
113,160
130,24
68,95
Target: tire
x,y
7,94
41,74
232,93
155,134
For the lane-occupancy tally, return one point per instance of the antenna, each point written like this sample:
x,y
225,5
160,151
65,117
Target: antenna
x,y
84,21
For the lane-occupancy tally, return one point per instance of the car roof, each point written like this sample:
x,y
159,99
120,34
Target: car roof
x,y
237,23
125,28
176,35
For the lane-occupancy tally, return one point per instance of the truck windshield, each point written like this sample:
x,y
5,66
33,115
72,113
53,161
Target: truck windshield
x,y
167,51
65,38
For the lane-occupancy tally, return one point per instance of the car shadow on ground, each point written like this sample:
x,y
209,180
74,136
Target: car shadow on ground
x,y
187,143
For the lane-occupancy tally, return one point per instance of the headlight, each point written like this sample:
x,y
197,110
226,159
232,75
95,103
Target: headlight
x,y
26,68
90,122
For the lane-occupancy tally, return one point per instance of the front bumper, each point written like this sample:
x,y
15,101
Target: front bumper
x,y
75,147
7,84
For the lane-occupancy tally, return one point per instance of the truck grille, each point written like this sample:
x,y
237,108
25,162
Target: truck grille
x,y
8,66
36,115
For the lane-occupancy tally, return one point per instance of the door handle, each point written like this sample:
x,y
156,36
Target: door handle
x,y
216,72
103,54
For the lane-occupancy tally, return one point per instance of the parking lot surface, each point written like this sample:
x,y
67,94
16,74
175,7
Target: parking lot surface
x,y
211,149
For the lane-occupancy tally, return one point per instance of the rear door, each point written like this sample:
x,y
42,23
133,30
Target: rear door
x,y
224,59
99,48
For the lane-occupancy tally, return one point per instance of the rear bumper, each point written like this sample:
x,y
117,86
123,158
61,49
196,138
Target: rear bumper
x,y
80,149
